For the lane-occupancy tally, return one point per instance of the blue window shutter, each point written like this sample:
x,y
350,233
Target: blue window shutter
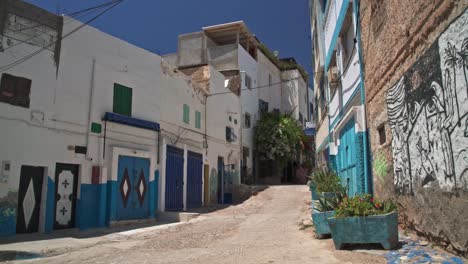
x,y
186,117
197,119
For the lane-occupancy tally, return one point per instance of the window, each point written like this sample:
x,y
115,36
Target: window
x,y
347,40
269,80
15,90
301,118
263,106
197,119
248,81
276,111
246,120
229,134
186,115
122,100
382,135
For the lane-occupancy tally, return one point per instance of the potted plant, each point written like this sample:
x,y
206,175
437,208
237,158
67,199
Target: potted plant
x,y
362,219
325,183
323,208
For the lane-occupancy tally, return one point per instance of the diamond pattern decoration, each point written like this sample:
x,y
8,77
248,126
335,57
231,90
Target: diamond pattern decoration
x,y
29,202
141,188
125,188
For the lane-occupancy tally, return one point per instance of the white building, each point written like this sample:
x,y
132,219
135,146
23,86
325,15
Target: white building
x,y
260,81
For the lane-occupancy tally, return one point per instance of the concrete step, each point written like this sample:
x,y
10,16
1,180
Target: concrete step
x,y
176,216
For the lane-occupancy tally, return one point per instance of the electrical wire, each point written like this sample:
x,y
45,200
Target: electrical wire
x,y
268,85
15,63
73,15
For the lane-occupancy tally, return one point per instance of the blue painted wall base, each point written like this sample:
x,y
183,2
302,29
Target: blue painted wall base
x,y
7,221
50,206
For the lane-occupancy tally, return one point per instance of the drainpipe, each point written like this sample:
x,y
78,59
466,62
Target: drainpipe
x,y
241,149
90,107
367,162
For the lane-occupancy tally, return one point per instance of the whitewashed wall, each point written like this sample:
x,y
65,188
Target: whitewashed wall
x,y
249,99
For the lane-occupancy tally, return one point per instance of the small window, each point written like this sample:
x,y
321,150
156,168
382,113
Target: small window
x,y
246,120
122,100
186,116
382,135
235,121
197,119
301,118
263,106
269,80
248,81
15,90
229,134
276,111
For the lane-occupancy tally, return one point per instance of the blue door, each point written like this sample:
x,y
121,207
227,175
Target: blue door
x,y
194,180
174,179
133,183
347,158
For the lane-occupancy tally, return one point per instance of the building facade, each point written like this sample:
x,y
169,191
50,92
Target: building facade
x,y
254,76
337,48
417,101
98,131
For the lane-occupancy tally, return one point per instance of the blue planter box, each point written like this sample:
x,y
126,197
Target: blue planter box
x,y
313,191
382,229
320,222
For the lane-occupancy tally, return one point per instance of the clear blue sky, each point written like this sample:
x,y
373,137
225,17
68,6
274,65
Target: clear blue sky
x,y
154,25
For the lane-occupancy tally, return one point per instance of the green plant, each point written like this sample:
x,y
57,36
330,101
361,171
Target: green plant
x,y
278,137
380,166
327,181
363,205
327,204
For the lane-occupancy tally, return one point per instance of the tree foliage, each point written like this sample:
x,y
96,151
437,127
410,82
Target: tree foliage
x,y
278,137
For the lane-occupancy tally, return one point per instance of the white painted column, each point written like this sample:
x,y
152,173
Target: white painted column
x,y
185,176
162,177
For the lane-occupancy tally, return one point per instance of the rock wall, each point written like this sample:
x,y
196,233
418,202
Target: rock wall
x,y
415,72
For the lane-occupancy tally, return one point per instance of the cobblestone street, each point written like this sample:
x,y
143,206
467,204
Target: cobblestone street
x,y
264,229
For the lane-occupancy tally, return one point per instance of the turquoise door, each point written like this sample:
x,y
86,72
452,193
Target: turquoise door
x,y
133,182
347,158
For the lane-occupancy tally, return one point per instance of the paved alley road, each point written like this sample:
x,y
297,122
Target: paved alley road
x,y
264,229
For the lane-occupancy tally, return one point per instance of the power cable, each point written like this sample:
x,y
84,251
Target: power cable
x,y
265,86
75,15
13,64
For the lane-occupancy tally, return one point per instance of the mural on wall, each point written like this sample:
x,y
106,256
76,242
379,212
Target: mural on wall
x,y
428,116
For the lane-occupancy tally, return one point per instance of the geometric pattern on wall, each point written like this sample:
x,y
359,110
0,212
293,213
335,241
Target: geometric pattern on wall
x,y
29,203
141,188
63,213
125,189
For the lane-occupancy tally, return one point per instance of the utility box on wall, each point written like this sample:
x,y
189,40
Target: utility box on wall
x,y
5,173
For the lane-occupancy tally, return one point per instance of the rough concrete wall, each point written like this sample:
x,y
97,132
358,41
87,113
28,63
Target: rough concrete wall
x,y
413,90
200,75
191,50
21,22
223,58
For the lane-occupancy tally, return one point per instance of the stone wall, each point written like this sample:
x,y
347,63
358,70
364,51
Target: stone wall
x,y
415,72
